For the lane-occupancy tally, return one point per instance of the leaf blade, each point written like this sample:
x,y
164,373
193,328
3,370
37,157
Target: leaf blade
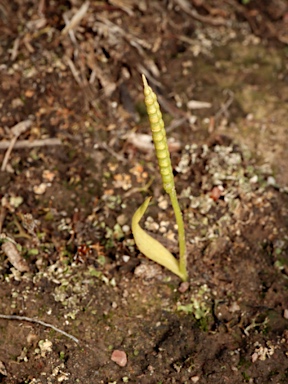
x,y
150,247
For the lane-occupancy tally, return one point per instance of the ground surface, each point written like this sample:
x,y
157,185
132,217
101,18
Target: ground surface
x,y
82,164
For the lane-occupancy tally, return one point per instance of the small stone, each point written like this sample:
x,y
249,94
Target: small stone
x,y
119,357
234,307
254,179
126,228
122,219
183,287
254,357
15,103
48,175
162,203
216,192
271,180
285,314
195,379
40,189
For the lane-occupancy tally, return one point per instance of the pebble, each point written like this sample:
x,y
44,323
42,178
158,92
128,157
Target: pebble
x,y
119,357
271,180
184,286
40,189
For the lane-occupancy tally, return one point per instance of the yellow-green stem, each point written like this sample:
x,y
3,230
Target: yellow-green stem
x,y
164,161
181,233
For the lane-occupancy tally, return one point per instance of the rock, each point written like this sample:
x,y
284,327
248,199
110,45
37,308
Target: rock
x,y
119,357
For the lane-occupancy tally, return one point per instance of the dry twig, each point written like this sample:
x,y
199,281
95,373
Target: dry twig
x,y
76,18
74,70
2,217
71,32
134,41
15,48
110,150
124,5
30,144
147,74
31,320
186,7
225,106
16,131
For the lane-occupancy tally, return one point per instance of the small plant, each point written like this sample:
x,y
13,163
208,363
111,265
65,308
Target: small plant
x,y
199,305
147,244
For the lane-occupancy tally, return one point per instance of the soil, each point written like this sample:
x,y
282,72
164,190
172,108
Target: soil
x,y
83,162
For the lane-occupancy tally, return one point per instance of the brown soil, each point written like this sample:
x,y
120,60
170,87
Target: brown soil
x,y
82,165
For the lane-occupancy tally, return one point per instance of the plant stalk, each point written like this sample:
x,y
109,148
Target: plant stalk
x,y
181,234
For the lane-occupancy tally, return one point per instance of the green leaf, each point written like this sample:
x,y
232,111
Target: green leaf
x,y
150,247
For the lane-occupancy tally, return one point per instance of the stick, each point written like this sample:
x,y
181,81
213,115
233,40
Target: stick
x,y
2,216
4,144
31,320
76,18
185,6
16,131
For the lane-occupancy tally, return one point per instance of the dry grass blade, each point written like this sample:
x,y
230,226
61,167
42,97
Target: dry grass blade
x,y
15,49
226,105
71,32
132,40
74,71
124,5
76,18
148,75
107,85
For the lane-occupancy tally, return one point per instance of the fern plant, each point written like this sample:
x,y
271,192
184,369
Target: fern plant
x,y
147,244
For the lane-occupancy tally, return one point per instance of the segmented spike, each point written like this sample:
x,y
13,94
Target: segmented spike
x,y
159,137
